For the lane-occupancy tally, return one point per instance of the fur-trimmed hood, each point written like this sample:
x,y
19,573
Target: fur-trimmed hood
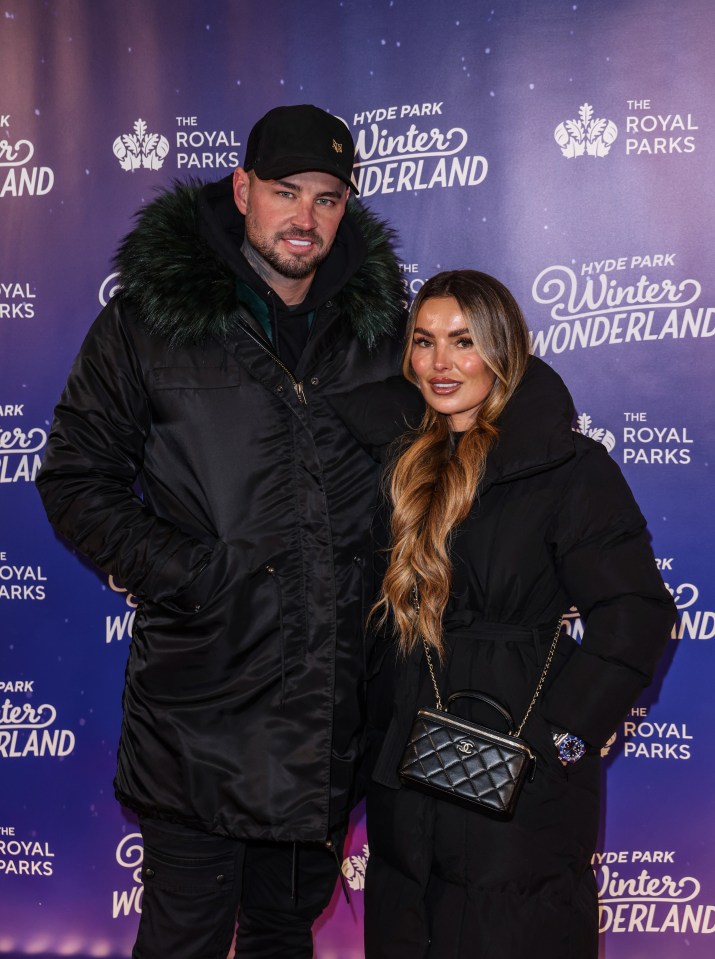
x,y
185,291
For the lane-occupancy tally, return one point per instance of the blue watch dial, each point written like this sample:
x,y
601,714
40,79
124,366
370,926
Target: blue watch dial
x,y
571,748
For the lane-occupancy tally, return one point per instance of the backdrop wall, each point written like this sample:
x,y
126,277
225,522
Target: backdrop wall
x,y
565,147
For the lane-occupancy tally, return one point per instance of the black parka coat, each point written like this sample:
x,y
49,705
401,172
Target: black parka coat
x,y
249,546
554,525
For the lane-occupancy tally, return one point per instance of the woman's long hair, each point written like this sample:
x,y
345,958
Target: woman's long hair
x,y
432,485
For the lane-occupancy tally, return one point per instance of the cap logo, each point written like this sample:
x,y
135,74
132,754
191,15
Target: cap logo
x,y
338,147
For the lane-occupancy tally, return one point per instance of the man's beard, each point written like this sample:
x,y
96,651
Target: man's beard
x,y
292,267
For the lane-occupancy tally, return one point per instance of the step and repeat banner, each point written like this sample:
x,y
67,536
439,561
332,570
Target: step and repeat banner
x,y
565,146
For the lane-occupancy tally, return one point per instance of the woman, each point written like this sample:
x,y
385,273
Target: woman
x,y
501,519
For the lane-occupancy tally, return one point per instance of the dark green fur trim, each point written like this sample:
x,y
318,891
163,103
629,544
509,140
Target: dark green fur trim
x,y
375,297
186,293
184,290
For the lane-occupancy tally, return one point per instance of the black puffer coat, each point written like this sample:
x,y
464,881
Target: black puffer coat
x,y
555,525
249,547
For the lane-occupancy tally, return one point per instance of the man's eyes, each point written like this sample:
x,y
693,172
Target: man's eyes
x,y
320,201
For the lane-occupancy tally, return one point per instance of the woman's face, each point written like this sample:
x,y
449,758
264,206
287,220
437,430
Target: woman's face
x,y
451,374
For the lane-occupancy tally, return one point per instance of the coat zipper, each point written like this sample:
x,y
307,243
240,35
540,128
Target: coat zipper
x,y
276,579
359,562
297,385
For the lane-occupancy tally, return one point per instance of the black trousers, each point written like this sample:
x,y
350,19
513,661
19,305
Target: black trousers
x,y
196,886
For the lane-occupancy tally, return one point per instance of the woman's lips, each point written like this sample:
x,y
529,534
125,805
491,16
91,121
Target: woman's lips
x,y
444,387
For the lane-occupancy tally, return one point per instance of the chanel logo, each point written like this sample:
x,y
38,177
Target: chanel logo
x,y
466,746
338,147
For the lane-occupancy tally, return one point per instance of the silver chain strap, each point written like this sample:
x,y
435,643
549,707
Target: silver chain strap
x,y
542,678
540,684
434,679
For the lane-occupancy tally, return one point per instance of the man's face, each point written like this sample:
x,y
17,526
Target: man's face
x,y
291,223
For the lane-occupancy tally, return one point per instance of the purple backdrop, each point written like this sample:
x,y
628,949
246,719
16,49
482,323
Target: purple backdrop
x,y
565,147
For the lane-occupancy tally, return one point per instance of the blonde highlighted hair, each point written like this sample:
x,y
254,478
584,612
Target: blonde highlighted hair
x,y
432,484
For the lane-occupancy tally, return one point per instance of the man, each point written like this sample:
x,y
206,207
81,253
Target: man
x,y
245,304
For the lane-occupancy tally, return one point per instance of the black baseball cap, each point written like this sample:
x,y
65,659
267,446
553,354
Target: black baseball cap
x,y
298,139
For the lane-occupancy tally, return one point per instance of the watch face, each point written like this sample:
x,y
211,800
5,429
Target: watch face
x,y
571,749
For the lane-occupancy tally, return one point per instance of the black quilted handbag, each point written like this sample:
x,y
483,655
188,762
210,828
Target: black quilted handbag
x,y
456,759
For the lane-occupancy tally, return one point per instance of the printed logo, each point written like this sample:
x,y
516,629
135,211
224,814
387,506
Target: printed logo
x,y
652,133
587,136
20,582
588,307
354,869
413,282
117,627
655,445
634,899
646,739
140,149
25,729
17,176
642,442
608,745
129,855
692,623
16,301
20,449
24,857
598,433
109,288
415,155
204,149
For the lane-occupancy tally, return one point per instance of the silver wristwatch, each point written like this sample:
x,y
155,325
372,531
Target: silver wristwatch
x,y
570,748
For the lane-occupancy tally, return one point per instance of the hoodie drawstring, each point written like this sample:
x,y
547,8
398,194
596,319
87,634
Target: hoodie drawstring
x,y
294,875
331,847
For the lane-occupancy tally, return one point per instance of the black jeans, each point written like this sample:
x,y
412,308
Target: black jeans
x,y
196,885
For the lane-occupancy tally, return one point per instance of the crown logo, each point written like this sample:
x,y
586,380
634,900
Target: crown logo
x,y
598,433
593,136
338,147
354,868
607,747
140,149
